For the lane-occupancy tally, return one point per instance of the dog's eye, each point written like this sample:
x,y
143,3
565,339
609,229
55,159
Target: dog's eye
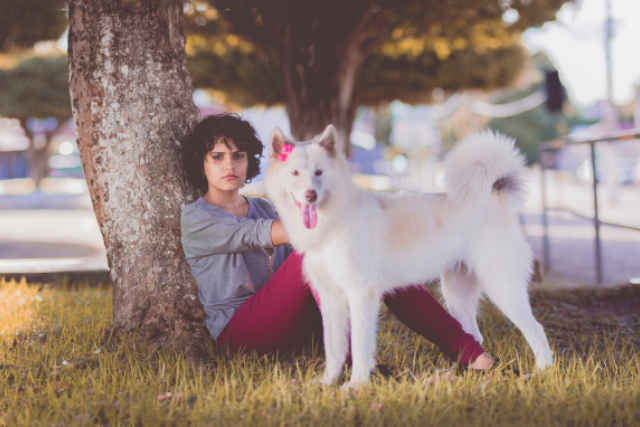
x,y
318,172
295,173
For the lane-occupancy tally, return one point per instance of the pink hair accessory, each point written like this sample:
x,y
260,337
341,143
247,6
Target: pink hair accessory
x,y
286,149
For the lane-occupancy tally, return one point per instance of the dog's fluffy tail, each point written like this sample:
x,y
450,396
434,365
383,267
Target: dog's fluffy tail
x,y
482,165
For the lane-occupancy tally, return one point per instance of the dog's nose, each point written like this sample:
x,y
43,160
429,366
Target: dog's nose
x,y
311,196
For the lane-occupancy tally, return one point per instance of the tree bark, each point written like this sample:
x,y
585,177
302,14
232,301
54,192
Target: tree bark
x,y
132,102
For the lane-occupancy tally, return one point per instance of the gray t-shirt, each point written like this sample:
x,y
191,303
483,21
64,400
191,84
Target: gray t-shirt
x,y
230,257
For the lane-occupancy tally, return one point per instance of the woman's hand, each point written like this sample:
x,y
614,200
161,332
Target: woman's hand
x,y
278,234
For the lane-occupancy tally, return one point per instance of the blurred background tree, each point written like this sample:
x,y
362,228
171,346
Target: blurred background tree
x,y
33,87
24,23
325,59
37,88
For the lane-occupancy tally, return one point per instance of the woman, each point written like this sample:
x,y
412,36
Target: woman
x,y
250,283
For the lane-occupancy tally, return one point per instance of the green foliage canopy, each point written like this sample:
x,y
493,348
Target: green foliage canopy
x,y
413,79
417,46
36,87
23,23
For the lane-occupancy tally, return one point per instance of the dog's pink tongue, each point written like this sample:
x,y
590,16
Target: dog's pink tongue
x,y
309,216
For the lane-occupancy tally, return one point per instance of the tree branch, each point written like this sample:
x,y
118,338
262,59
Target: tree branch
x,y
362,39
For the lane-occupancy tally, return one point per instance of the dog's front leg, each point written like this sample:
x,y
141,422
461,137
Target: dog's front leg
x,y
363,308
335,322
335,316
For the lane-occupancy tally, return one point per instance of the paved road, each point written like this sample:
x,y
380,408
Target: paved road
x,y
572,250
61,233
43,233
572,239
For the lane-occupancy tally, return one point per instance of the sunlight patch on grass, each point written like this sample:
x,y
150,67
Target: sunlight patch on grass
x,y
17,306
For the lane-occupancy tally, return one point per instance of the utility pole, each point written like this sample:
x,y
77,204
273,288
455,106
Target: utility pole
x,y
610,113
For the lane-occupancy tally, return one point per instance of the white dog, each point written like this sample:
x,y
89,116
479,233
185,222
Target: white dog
x,y
359,245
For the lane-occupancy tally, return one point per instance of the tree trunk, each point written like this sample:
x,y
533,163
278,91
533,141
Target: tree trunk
x,y
318,92
320,62
132,102
320,47
38,162
38,153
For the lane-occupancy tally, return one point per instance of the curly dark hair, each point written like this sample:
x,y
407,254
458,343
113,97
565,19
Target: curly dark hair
x,y
211,130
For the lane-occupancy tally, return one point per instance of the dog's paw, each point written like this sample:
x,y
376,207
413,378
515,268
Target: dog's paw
x,y
328,379
353,386
544,363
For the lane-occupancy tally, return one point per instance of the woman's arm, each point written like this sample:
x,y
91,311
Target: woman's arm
x,y
278,233
206,234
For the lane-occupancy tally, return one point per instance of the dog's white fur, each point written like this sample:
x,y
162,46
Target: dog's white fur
x,y
366,244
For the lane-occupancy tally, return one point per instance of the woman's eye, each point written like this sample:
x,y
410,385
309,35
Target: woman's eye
x,y
239,156
217,157
318,172
295,173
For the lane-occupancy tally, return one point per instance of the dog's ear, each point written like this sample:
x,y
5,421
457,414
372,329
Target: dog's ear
x,y
276,141
329,140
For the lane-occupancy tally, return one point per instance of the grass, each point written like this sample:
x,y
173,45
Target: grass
x,y
54,371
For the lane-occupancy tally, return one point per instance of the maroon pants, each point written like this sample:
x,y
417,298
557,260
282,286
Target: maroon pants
x,y
283,317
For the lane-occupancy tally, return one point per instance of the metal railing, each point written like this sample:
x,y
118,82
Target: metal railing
x,y
547,150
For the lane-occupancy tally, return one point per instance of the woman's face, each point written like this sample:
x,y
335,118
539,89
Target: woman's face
x,y
226,170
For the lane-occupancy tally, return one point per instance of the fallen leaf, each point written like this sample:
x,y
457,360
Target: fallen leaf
x,y
448,376
445,376
164,396
484,384
83,419
376,407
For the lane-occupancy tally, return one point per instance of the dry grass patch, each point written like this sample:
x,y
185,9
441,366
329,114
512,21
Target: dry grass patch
x,y
55,371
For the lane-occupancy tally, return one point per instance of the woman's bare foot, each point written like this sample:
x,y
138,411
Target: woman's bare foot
x,y
482,362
